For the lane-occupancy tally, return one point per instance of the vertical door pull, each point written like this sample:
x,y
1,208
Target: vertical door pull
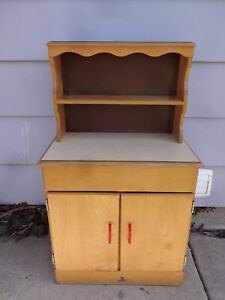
x,y
110,234
129,233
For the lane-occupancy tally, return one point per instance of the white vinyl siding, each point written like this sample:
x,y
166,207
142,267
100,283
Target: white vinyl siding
x,y
27,124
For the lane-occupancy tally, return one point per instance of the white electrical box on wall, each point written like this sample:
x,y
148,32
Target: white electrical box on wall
x,y
204,183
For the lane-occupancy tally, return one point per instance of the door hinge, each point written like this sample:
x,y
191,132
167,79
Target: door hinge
x,y
185,260
46,204
193,208
53,259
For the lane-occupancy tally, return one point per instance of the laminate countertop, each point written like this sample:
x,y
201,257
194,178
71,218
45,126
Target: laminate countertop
x,y
136,147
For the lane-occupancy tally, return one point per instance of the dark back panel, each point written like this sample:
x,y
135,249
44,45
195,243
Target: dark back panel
x,y
119,118
135,74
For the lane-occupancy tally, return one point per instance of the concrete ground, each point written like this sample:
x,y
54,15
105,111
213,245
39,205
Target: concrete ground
x,y
212,219
209,256
26,273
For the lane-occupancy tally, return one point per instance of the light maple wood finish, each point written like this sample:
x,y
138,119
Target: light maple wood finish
x,y
119,204
121,100
120,277
79,224
121,48
182,93
159,230
119,177
57,92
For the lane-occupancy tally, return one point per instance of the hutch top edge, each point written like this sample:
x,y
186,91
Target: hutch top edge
x,y
154,49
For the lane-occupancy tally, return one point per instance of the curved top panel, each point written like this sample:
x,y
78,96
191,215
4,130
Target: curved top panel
x,y
121,48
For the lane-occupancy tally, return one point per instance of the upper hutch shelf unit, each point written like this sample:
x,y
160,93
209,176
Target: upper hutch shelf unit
x,y
120,87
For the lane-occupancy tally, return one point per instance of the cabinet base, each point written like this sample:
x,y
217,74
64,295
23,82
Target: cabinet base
x,y
120,278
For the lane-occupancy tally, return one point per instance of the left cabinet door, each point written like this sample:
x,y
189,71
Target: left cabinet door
x,y
84,230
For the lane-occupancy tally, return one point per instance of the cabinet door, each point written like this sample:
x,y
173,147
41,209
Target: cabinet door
x,y
154,231
84,230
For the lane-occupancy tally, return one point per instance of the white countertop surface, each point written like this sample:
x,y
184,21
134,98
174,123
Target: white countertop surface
x,y
137,147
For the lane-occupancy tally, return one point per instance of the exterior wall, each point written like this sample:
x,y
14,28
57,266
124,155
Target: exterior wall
x,y
27,124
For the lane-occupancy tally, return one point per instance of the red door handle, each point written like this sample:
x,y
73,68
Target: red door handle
x,y
129,233
110,233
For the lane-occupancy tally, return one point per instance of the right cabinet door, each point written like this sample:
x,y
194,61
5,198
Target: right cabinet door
x,y
154,231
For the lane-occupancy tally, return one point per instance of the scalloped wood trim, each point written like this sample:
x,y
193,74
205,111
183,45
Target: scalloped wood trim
x,y
120,48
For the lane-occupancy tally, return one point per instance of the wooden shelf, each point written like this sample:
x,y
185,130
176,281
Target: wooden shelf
x,y
120,100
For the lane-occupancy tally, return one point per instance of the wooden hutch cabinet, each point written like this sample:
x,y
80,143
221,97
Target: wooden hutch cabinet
x,y
119,179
